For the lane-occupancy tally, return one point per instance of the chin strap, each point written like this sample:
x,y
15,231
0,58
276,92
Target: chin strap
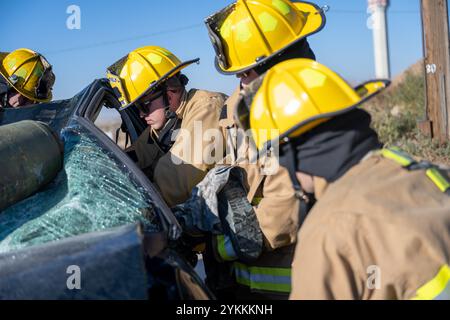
x,y
164,138
307,200
169,114
127,134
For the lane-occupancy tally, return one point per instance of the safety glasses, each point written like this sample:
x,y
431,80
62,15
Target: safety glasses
x,y
145,103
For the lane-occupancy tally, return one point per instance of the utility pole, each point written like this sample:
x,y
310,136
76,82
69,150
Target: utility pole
x,y
437,67
380,39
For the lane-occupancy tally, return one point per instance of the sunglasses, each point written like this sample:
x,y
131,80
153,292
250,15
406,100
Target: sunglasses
x,y
146,102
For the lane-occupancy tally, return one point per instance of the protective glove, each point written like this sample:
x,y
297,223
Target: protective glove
x,y
191,236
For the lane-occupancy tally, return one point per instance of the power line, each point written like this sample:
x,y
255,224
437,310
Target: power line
x,y
365,12
183,28
111,42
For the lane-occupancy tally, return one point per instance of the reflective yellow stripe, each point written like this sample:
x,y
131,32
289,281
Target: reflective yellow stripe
x,y
225,248
256,201
436,289
404,160
263,278
397,156
439,180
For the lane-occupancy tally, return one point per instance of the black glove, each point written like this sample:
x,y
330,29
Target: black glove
x,y
191,235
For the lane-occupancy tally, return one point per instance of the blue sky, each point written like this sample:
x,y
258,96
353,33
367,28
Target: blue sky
x,y
110,29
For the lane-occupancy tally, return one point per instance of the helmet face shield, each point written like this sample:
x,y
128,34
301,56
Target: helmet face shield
x,y
46,80
213,25
112,73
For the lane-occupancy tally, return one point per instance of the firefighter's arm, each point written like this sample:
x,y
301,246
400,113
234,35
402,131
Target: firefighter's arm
x,y
324,266
176,180
352,256
220,244
278,210
219,207
180,170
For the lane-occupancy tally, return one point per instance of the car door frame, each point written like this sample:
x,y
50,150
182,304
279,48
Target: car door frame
x,y
98,92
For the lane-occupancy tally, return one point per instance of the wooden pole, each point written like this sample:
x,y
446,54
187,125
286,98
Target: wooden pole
x,y
437,67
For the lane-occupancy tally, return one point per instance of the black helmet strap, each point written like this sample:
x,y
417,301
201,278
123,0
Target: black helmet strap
x,y
307,200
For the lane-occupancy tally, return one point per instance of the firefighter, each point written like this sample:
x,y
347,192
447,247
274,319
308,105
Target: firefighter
x,y
380,225
26,78
150,79
249,38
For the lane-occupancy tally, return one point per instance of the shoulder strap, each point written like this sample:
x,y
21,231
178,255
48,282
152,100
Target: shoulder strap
x,y
439,177
307,200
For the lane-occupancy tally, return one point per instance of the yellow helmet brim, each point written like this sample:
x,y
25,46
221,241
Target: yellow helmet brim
x,y
112,74
316,18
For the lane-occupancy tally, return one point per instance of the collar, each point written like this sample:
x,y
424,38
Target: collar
x,y
184,101
320,186
227,116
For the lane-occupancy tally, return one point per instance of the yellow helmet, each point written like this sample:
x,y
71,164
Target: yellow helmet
x,y
296,96
249,32
29,73
142,71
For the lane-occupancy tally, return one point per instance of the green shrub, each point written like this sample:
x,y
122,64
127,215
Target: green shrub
x,y
396,114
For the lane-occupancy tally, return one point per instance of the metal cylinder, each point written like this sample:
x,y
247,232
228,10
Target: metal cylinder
x,y
31,156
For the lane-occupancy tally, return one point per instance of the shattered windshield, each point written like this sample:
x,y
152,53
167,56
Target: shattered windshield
x,y
93,192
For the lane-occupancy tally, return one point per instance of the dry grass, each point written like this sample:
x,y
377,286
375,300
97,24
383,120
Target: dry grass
x,y
396,113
